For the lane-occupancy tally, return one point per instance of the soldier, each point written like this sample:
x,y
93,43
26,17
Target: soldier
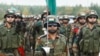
x,y
89,36
81,20
65,28
21,28
75,20
20,23
39,27
10,40
30,35
55,41
60,19
71,27
39,24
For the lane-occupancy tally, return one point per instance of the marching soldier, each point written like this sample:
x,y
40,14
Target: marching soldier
x,y
65,28
81,20
60,19
89,36
10,40
20,23
53,40
30,35
39,27
21,28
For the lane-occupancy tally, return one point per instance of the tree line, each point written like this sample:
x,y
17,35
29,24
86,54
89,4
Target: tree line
x,y
31,10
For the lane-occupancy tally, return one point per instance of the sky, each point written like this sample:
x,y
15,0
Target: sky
x,y
59,2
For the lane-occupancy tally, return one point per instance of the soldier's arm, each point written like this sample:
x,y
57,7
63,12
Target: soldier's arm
x,y
65,48
38,46
69,31
80,36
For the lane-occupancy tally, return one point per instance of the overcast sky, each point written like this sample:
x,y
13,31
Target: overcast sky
x,y
59,2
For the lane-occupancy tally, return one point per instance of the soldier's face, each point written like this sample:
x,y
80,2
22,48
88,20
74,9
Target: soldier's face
x,y
82,21
92,19
18,19
10,18
65,21
60,21
75,20
52,28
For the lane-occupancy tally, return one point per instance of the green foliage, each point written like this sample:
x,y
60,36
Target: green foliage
x,y
35,10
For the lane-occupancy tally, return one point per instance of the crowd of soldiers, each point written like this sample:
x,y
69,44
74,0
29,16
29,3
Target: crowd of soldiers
x,y
50,35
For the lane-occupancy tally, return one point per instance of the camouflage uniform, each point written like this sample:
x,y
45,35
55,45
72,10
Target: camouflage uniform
x,y
9,39
65,29
58,46
30,36
89,39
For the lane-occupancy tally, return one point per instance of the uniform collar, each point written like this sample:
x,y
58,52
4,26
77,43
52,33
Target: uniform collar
x,y
57,37
94,27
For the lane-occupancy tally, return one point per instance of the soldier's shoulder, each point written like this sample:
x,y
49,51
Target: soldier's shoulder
x,y
61,35
63,38
42,36
84,26
98,25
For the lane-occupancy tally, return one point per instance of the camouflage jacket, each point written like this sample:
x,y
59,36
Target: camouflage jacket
x,y
57,46
9,38
65,30
90,39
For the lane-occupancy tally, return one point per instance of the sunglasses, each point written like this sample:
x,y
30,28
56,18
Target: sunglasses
x,y
10,17
50,25
92,17
65,22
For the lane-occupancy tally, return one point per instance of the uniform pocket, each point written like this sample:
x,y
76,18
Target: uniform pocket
x,y
3,33
96,46
86,46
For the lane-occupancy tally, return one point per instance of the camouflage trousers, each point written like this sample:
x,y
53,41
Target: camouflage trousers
x,y
90,54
